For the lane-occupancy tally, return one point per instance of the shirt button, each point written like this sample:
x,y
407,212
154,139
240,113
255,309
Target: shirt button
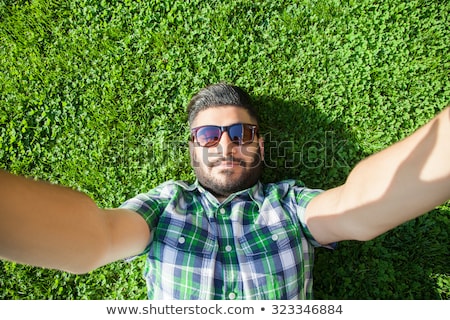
x,y
275,237
181,240
232,296
222,211
228,248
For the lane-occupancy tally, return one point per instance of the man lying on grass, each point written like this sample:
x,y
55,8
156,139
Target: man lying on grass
x,y
227,235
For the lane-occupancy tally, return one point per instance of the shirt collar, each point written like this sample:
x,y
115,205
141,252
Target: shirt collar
x,y
256,192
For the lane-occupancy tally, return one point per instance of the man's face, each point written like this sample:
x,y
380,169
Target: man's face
x,y
227,167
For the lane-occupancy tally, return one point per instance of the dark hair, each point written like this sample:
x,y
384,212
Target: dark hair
x,y
217,95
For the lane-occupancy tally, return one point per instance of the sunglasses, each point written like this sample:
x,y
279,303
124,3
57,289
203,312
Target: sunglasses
x,y
209,136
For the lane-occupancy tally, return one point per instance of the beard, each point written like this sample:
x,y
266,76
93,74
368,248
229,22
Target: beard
x,y
226,182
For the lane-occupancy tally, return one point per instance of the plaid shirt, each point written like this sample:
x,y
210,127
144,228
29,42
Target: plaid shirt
x,y
254,245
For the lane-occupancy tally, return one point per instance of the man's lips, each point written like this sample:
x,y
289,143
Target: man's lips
x,y
228,163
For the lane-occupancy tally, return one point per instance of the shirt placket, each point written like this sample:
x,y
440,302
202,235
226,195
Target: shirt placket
x,y
227,255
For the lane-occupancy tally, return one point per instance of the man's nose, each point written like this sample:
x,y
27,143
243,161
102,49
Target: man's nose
x,y
225,146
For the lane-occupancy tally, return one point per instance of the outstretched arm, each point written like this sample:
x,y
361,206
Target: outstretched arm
x,y
388,188
55,227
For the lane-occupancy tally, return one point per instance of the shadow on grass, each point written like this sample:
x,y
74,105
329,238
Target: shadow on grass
x,y
405,263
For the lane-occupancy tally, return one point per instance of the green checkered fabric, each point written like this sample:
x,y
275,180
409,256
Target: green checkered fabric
x,y
254,245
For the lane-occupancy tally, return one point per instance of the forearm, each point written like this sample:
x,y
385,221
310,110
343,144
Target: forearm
x,y
388,188
403,181
49,225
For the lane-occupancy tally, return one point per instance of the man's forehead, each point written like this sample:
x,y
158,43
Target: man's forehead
x,y
222,116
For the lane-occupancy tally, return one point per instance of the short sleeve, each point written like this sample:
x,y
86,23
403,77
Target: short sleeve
x,y
145,205
149,205
303,197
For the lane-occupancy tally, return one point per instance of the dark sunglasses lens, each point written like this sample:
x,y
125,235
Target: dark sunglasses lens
x,y
247,134
241,133
208,136
236,133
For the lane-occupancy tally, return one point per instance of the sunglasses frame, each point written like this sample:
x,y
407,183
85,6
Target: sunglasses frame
x,y
252,127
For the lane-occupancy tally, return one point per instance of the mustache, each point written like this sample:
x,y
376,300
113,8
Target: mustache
x,y
219,160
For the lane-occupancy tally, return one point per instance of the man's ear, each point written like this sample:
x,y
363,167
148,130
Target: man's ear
x,y
261,147
191,152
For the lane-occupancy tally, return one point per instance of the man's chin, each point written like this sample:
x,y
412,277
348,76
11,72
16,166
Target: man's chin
x,y
223,180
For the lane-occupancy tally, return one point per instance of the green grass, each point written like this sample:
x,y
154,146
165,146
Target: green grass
x,y
93,96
